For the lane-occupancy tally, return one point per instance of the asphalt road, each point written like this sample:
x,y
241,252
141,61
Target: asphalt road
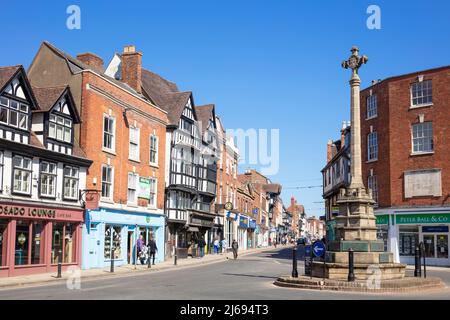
x,y
249,277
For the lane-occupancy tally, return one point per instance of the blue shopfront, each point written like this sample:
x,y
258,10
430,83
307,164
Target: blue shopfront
x,y
113,233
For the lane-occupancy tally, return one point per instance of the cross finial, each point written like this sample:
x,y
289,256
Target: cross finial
x,y
355,61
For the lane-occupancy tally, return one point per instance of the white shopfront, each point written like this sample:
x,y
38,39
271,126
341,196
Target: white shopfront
x,y
403,230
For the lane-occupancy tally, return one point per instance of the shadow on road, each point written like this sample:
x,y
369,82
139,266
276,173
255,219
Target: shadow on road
x,y
286,253
248,275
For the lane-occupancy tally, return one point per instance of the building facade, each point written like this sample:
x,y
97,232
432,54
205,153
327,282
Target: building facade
x,y
42,177
404,129
124,133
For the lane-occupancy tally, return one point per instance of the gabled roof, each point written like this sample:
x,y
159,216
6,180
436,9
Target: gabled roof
x,y
76,65
47,97
6,73
204,113
272,188
9,72
165,94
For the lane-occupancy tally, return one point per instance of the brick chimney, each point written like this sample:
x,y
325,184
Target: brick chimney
x,y
329,150
132,68
91,60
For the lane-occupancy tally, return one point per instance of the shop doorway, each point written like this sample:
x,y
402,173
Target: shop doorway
x,y
130,244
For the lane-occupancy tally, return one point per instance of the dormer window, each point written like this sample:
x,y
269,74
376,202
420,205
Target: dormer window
x,y
60,128
13,113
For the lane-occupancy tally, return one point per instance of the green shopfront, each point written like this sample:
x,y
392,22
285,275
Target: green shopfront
x,y
403,230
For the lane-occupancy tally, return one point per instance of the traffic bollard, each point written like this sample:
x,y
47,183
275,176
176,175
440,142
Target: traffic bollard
x,y
294,263
112,263
59,264
417,267
175,258
351,274
149,265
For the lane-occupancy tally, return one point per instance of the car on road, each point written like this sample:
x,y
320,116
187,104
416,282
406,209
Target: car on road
x,y
301,241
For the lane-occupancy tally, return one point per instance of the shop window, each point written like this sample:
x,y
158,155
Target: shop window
x,y
63,240
428,241
28,249
113,242
408,240
3,241
57,237
442,246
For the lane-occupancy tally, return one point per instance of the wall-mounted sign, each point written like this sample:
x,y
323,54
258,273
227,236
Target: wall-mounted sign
x,y
443,229
27,212
144,188
148,219
422,218
255,211
252,224
382,219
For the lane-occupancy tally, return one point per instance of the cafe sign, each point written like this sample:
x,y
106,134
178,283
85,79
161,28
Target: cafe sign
x,y
422,218
27,212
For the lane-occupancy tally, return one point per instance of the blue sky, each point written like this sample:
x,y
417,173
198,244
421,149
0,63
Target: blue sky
x,y
265,64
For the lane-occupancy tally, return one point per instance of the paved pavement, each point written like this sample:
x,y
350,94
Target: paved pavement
x,y
249,277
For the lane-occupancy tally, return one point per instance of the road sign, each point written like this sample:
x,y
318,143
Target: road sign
x,y
318,248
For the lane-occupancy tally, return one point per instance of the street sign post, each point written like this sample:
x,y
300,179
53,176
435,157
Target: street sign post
x,y
308,260
318,249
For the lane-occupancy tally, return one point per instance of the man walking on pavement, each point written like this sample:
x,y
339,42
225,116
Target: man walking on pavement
x,y
235,248
201,244
152,248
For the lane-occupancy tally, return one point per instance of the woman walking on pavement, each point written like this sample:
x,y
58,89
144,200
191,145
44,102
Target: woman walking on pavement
x,y
152,248
235,248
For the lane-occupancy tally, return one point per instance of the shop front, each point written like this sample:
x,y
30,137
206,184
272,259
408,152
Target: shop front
x,y
33,238
242,232
251,238
402,231
112,234
203,227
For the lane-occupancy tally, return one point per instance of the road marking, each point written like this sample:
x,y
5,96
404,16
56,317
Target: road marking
x,y
276,261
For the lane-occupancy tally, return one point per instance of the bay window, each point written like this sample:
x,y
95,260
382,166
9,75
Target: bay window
x,y
13,113
60,128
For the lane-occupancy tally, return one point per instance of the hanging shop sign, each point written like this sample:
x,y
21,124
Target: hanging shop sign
x,y
243,222
255,211
422,218
144,188
252,224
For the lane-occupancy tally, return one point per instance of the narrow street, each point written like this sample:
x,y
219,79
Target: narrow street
x,y
250,277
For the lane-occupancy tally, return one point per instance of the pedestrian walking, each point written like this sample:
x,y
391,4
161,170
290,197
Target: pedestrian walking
x,y
201,244
152,248
216,246
235,247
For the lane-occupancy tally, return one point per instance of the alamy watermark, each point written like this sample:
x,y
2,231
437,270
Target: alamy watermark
x,y
374,278
74,19
374,20
73,281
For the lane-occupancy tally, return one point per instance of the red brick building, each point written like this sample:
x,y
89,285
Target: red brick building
x,y
405,133
124,133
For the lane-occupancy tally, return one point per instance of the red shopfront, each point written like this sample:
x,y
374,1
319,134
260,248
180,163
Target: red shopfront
x,y
32,237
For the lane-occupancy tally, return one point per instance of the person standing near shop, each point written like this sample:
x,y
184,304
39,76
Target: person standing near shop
x,y
216,246
202,244
152,248
224,245
140,247
235,248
